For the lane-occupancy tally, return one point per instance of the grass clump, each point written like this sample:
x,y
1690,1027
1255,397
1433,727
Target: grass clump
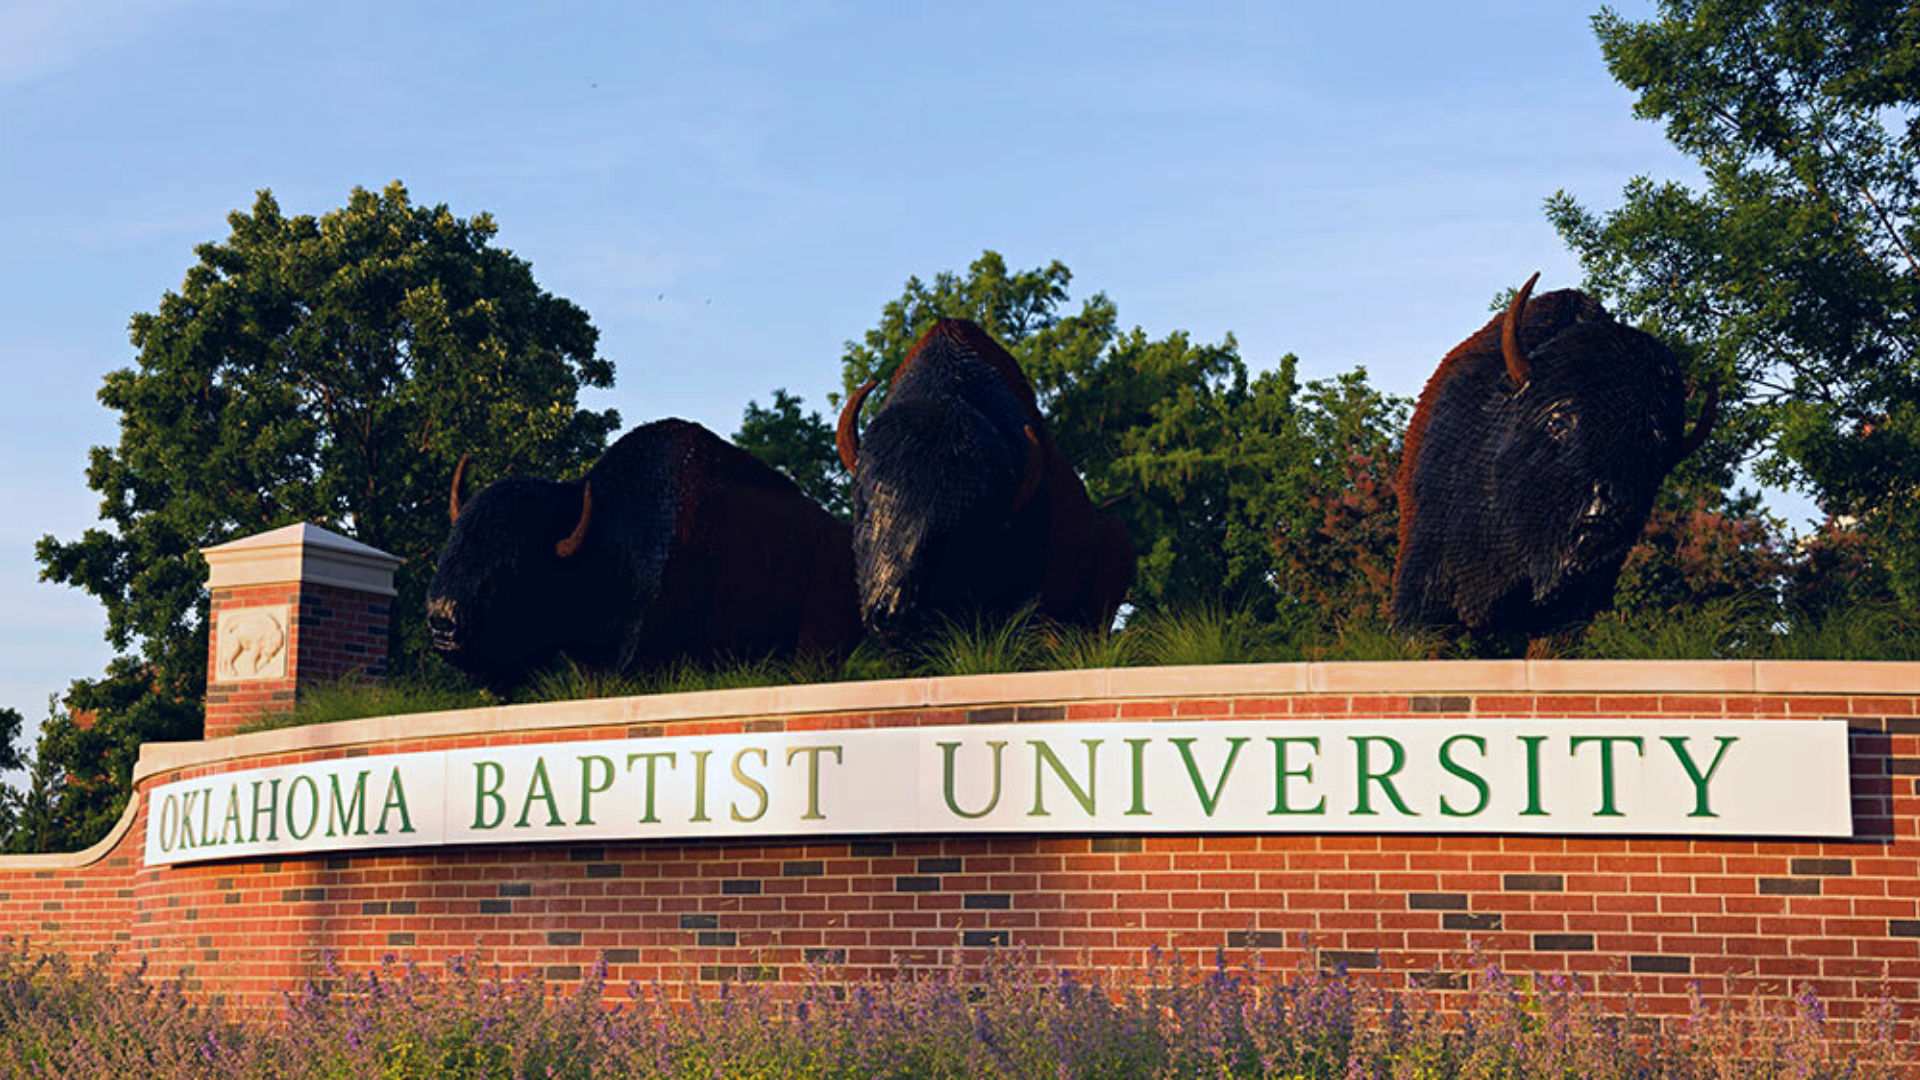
x,y
358,700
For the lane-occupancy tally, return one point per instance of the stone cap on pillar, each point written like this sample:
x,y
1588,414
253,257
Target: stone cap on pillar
x,y
300,553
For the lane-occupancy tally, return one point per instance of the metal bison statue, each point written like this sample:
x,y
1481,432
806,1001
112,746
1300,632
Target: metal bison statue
x,y
962,505
677,544
1530,466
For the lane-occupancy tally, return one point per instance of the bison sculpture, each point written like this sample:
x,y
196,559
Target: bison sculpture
x,y
676,545
963,507
1530,466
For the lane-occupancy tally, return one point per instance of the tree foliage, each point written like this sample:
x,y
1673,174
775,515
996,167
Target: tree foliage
x,y
1795,271
327,369
799,444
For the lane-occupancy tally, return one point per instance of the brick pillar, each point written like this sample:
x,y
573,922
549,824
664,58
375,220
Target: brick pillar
x,y
292,608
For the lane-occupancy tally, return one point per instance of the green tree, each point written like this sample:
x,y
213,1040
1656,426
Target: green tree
x,y
327,369
1795,271
1203,461
799,444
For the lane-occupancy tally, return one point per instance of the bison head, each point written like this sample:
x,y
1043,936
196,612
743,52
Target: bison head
x,y
495,608
1530,467
949,507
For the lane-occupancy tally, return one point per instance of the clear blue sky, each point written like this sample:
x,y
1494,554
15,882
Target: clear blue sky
x,y
1351,183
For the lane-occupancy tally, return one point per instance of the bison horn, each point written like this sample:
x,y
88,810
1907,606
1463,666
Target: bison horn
x,y
1035,471
459,475
1709,412
1518,366
847,438
568,547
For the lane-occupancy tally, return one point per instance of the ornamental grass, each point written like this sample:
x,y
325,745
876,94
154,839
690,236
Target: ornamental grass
x,y
1011,1017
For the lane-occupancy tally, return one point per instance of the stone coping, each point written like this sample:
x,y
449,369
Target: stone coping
x,y
72,860
1046,687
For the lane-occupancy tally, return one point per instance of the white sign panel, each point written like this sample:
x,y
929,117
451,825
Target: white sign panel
x,y
1528,776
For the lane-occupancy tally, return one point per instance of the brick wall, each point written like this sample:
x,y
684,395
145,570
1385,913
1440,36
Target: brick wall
x,y
1651,916
335,634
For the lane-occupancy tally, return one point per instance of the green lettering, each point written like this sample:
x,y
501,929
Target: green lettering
x,y
1533,775
1043,756
397,800
813,776
169,821
588,789
1606,742
540,789
699,785
1363,800
652,758
231,826
741,777
485,793
1138,752
347,817
272,812
1479,783
313,807
1209,799
1700,782
947,753
1281,774
187,799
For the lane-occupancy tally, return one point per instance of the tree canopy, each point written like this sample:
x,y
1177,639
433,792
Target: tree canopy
x,y
1794,272
328,369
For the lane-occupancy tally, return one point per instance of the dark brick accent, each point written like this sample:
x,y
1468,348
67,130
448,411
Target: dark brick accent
x,y
606,870
1118,845
1440,703
1463,921
1786,886
1903,767
339,862
563,972
718,939
916,884
999,714
1350,959
870,849
1256,939
563,937
1661,965
400,907
1436,901
740,887
987,901
1821,867
719,972
1438,980
517,888
222,884
1903,927
400,939
621,956
587,854
1563,942
373,907
985,939
825,956
1533,883
803,868
937,866
1042,712
496,907
699,922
